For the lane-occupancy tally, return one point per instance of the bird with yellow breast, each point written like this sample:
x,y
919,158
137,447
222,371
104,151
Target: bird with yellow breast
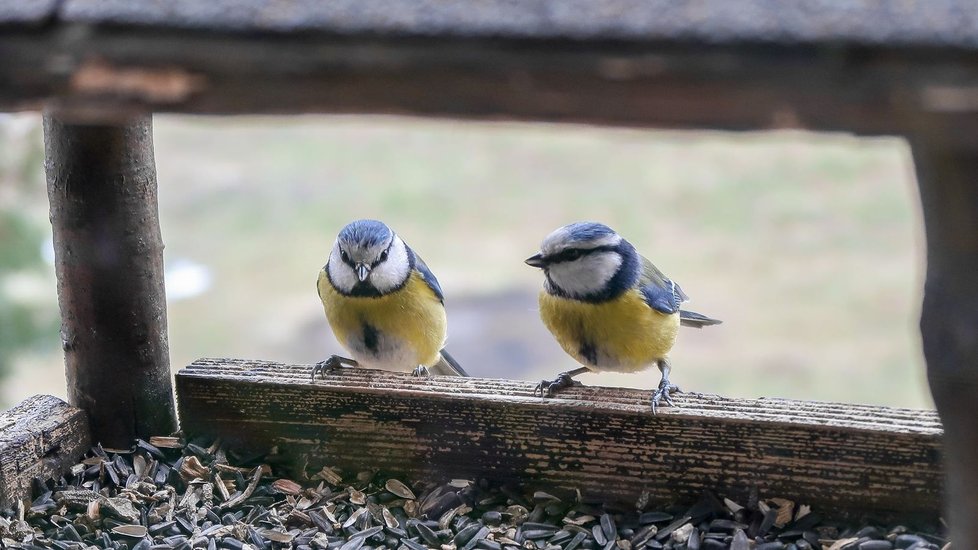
x,y
384,305
608,306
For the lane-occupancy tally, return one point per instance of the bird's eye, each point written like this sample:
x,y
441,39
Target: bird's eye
x,y
344,256
572,254
383,256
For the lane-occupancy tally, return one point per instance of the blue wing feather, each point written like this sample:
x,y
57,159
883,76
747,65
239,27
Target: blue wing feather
x,y
428,276
663,300
660,292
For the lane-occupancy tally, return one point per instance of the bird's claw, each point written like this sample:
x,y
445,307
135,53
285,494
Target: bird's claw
x,y
327,366
664,393
421,371
546,388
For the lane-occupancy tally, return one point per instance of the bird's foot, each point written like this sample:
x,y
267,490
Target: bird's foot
x,y
664,393
421,371
546,388
331,365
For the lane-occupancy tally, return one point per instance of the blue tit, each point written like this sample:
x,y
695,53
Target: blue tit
x,y
384,304
608,306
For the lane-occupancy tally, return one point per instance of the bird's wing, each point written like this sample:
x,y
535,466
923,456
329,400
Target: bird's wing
x,y
447,366
428,276
661,293
319,282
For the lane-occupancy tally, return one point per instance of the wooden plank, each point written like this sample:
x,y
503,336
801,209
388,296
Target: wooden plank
x,y
108,258
929,23
40,437
103,72
27,12
845,459
949,319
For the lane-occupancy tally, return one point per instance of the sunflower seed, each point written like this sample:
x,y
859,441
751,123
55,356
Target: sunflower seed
x,y
357,497
389,519
428,535
667,530
608,527
400,489
576,541
739,541
654,517
134,531
598,533
134,496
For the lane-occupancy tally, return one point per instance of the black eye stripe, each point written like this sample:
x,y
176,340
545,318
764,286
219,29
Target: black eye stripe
x,y
383,255
571,254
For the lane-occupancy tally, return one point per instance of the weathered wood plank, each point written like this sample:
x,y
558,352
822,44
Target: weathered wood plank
x,y
916,22
604,441
27,12
108,256
40,437
949,319
105,72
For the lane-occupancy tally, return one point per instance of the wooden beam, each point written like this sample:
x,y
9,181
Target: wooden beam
x,y
40,437
857,459
109,264
107,71
948,180
927,23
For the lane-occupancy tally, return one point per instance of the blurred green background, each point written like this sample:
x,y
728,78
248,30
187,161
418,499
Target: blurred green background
x,y
808,246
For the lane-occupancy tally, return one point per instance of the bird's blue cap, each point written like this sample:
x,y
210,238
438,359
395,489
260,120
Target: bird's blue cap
x,y
366,233
587,231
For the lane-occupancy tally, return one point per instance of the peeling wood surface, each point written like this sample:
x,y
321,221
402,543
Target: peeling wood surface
x,y
40,437
847,458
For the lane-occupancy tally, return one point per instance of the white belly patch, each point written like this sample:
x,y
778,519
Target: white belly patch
x,y
382,352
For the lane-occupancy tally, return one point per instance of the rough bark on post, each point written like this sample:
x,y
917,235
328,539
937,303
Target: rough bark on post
x,y
949,321
109,264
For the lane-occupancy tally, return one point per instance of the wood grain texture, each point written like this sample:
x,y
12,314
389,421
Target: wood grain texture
x,y
848,459
40,437
108,255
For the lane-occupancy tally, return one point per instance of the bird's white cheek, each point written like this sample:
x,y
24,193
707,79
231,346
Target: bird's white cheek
x,y
392,273
587,275
341,275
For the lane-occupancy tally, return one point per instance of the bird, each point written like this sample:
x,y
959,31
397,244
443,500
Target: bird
x,y
383,304
608,306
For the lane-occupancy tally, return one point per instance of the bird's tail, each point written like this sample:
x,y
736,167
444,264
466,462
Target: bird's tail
x,y
696,320
447,366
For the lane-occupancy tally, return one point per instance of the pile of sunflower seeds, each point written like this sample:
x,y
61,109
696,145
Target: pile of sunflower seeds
x,y
164,494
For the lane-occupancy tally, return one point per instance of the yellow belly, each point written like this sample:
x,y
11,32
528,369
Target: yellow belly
x,y
623,334
397,331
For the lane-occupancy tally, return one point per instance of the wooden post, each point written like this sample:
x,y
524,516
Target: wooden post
x,y
948,180
109,264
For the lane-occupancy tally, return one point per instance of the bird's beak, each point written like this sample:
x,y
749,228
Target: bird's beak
x,y
363,271
537,260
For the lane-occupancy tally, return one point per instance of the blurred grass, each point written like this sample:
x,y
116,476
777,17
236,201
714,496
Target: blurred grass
x,y
808,246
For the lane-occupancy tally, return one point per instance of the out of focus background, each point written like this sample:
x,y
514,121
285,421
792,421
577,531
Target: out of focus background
x,y
808,246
